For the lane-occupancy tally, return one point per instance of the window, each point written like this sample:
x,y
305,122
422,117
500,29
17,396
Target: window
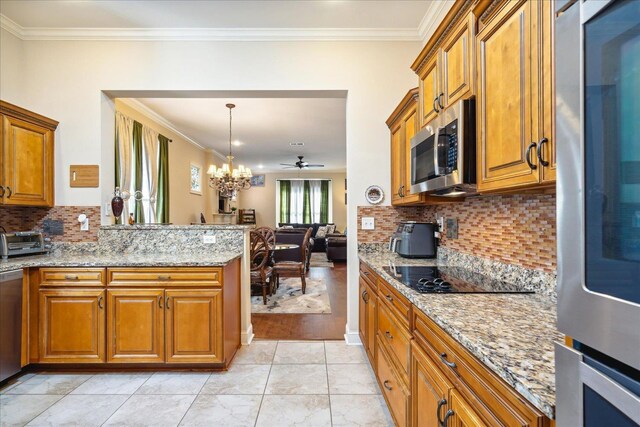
x,y
304,201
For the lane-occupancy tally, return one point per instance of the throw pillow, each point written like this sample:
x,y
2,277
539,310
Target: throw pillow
x,y
331,229
322,232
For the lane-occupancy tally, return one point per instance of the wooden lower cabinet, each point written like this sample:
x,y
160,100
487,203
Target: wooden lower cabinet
x,y
135,331
194,326
461,413
429,390
72,325
392,385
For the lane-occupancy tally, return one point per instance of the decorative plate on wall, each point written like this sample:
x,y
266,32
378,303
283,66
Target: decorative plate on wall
x,y
374,194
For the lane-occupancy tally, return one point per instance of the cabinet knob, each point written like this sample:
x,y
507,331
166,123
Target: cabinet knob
x,y
386,385
164,277
388,297
71,277
100,298
435,107
166,304
159,302
540,145
388,335
2,190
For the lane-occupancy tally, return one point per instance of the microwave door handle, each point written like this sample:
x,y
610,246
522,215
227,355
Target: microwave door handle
x,y
435,151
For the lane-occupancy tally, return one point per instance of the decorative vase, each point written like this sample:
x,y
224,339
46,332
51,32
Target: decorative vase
x,y
117,203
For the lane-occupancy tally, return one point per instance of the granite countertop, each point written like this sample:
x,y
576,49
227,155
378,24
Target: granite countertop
x,y
512,334
96,259
172,227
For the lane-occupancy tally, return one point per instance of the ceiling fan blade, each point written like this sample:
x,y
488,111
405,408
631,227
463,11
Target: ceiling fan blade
x,y
315,166
288,164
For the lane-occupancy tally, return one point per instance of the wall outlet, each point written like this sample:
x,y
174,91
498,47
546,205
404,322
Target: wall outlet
x,y
208,240
107,209
368,223
440,222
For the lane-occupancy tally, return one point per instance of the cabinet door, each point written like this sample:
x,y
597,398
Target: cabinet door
x,y
410,127
505,100
461,414
429,390
135,330
362,312
397,164
429,91
372,305
456,59
546,92
27,163
194,326
72,324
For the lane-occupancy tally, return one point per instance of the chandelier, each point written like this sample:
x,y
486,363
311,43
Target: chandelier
x,y
227,180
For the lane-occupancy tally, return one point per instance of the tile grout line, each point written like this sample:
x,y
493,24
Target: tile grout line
x,y
127,399
326,370
266,384
194,399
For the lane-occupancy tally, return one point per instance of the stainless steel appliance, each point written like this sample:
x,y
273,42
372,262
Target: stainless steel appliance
x,y
444,280
597,121
22,243
10,323
415,240
443,154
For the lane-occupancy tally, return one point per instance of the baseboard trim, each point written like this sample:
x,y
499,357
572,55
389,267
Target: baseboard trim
x,y
352,338
247,337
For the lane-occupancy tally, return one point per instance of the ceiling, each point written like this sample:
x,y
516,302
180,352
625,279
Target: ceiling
x,y
264,127
142,19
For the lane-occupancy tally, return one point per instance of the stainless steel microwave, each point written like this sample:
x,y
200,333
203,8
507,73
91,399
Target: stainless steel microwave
x,y
443,154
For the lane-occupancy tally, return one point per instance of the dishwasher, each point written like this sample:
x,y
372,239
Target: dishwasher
x,y
10,323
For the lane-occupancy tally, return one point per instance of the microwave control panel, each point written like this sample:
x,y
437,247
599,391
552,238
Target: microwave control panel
x,y
451,132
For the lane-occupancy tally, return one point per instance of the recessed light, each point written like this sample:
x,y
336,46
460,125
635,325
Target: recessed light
x,y
296,144
260,166
237,143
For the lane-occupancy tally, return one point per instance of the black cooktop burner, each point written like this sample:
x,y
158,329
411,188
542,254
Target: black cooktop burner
x,y
442,280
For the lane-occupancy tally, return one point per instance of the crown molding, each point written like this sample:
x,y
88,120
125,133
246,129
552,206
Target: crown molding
x,y
148,112
432,18
210,34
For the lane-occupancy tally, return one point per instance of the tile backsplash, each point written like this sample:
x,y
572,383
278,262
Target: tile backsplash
x,y
514,229
20,218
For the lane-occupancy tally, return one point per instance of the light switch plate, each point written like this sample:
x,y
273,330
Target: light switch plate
x,y
368,223
84,226
208,240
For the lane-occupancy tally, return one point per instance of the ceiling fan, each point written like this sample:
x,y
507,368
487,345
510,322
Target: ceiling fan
x,y
300,164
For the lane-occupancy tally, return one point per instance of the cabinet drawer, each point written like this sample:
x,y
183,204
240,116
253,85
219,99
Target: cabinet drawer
x,y
395,337
168,276
394,391
433,344
72,276
369,275
399,305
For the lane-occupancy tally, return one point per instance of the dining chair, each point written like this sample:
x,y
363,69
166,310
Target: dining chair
x,y
261,271
295,268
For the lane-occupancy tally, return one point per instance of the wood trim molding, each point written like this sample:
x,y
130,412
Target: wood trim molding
x,y
402,106
28,116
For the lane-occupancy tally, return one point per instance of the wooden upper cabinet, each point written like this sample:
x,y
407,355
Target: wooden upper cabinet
x,y
429,390
515,96
397,164
27,157
194,326
429,91
461,413
457,58
410,126
72,326
135,330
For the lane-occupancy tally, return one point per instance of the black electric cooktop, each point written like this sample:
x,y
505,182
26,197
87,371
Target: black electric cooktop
x,y
442,280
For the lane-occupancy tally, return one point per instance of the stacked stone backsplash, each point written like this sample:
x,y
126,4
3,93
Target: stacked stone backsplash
x,y
517,230
21,218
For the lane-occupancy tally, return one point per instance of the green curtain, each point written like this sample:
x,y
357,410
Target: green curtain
x,y
162,202
138,213
324,201
285,201
306,203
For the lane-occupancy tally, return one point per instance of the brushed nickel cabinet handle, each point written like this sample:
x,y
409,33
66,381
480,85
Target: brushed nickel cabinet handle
x,y
71,276
160,302
100,306
386,385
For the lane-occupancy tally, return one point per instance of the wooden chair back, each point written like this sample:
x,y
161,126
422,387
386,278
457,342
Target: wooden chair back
x,y
259,251
268,233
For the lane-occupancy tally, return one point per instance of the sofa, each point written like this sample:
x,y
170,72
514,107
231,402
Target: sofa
x,y
319,243
336,247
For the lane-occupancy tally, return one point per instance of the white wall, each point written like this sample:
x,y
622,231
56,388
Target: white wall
x,y
65,79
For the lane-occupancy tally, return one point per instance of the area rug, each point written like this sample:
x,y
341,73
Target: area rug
x,y
319,259
289,298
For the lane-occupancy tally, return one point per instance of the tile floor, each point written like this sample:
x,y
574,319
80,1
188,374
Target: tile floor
x,y
270,383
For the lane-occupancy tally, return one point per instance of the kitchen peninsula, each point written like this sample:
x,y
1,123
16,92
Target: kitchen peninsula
x,y
142,295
